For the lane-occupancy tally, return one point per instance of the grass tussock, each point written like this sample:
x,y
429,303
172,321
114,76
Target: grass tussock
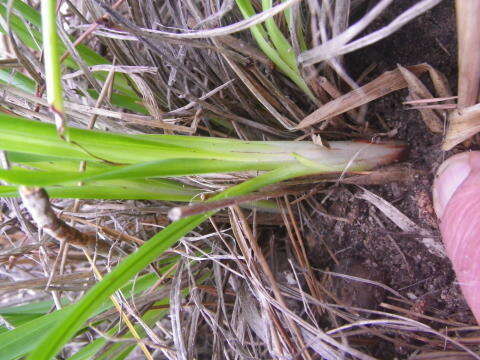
x,y
168,155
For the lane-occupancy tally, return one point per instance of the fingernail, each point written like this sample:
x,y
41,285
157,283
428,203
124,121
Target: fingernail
x,y
450,175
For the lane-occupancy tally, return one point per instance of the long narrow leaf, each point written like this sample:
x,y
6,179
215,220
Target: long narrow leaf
x,y
259,34
284,48
53,74
120,149
163,168
33,39
118,190
63,331
23,339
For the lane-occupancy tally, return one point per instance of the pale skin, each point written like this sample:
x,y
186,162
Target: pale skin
x,y
456,197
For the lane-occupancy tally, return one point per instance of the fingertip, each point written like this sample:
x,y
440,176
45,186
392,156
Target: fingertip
x,y
450,175
456,196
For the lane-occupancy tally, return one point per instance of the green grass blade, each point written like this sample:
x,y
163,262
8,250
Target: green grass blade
x,y
28,36
29,13
32,38
149,318
259,34
51,54
13,78
118,190
102,146
23,339
128,149
284,48
116,149
127,102
20,176
87,352
122,188
299,29
63,331
131,265
19,315
163,168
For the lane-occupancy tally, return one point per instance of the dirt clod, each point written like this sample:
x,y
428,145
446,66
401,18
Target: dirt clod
x,y
355,292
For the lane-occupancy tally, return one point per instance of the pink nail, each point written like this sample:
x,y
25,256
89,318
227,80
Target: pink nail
x,y
450,175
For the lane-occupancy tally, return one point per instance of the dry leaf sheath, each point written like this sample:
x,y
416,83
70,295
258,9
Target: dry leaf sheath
x,y
419,91
462,124
386,83
38,205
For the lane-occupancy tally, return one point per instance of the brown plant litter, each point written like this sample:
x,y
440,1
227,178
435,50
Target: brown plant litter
x,y
341,266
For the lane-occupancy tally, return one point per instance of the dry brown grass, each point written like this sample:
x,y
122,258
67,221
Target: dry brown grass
x,y
253,293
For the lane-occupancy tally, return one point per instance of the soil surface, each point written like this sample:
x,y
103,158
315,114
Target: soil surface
x,y
366,234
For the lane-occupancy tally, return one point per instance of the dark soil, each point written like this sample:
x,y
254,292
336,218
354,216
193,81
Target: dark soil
x,y
405,263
